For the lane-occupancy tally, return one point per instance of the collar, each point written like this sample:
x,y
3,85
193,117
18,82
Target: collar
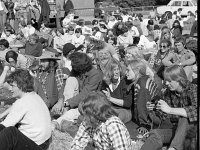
x,y
110,85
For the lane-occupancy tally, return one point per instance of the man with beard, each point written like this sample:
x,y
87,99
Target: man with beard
x,y
49,82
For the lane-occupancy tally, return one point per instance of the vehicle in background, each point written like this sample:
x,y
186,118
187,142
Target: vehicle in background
x,y
174,5
102,8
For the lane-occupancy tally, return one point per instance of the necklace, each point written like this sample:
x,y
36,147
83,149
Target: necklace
x,y
42,78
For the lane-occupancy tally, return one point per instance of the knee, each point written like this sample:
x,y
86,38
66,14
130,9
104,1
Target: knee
x,y
155,135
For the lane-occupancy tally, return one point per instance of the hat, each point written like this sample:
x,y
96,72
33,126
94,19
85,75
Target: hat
x,y
67,48
48,55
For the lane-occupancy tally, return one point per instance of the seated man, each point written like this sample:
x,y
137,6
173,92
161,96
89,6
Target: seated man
x,y
28,122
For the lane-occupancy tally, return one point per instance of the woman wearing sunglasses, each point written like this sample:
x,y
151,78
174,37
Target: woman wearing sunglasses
x,y
165,49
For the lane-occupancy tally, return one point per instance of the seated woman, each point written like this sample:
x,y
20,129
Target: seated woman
x,y
145,90
8,35
69,34
124,39
78,39
115,86
180,103
167,35
28,123
133,53
100,125
156,60
33,47
59,40
17,60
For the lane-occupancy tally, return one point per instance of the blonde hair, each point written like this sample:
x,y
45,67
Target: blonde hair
x,y
108,74
137,55
138,67
134,50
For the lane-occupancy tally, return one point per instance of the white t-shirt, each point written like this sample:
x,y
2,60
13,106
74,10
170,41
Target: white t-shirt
x,y
71,88
77,41
32,114
111,24
29,31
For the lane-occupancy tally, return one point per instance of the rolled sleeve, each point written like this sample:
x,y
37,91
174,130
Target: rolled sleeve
x,y
191,113
81,139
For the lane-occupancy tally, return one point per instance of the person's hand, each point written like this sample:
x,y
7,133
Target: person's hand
x,y
6,68
142,130
150,106
162,105
107,93
58,108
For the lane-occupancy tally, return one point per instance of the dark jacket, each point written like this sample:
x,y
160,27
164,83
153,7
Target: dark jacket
x,y
45,10
34,50
145,91
91,81
121,92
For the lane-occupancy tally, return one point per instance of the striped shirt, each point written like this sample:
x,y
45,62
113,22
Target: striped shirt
x,y
145,90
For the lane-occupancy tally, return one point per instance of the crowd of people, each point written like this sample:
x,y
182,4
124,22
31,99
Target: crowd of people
x,y
124,68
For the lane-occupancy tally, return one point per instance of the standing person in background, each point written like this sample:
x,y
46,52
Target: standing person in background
x,y
10,15
34,10
59,7
3,12
20,9
179,13
68,6
44,12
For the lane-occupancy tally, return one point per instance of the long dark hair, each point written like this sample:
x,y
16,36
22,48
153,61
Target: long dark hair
x,y
81,63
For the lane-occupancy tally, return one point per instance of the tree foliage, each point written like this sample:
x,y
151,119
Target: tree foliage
x,y
134,3
137,3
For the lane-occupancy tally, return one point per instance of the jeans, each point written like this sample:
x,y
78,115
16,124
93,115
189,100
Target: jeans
x,y
158,137
12,139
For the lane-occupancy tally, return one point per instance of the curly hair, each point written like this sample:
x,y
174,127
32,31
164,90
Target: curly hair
x,y
81,63
96,106
113,63
23,79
